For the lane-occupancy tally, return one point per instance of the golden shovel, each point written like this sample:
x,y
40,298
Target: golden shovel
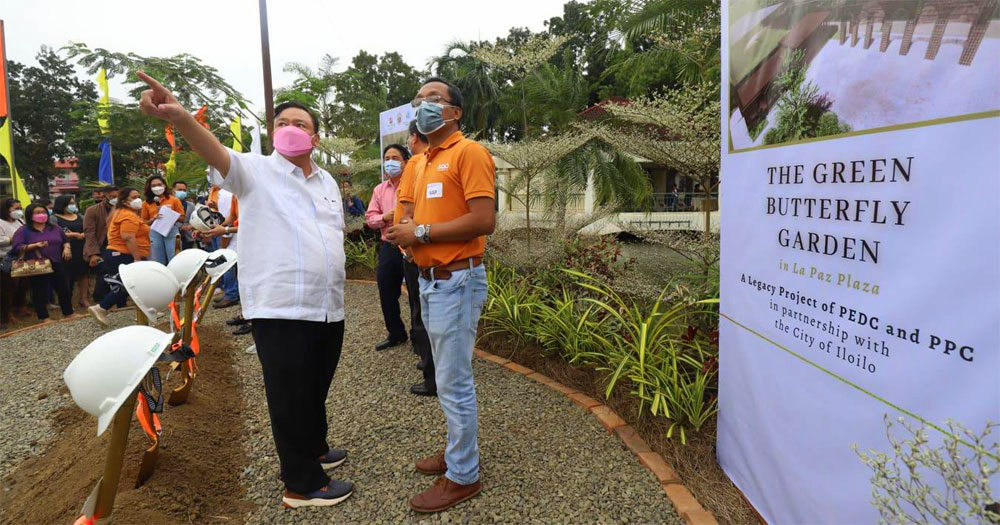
x,y
150,455
98,507
180,394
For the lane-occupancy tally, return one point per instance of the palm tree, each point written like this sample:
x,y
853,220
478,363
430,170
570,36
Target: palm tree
x,y
478,82
679,36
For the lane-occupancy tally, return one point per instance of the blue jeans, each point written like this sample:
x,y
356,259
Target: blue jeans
x,y
450,309
163,247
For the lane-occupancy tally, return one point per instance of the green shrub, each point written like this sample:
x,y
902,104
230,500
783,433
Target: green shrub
x,y
361,253
658,351
568,329
511,306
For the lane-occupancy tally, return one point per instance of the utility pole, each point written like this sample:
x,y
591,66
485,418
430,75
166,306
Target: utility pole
x,y
265,52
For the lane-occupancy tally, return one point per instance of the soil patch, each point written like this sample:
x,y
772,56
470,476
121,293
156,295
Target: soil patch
x,y
695,462
360,273
197,474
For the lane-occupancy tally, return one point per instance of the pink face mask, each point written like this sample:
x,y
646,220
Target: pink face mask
x,y
40,218
291,141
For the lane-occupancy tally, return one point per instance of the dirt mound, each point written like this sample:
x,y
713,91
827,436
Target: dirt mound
x,y
197,474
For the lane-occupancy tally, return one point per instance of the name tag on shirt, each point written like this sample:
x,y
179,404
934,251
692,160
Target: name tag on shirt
x,y
435,190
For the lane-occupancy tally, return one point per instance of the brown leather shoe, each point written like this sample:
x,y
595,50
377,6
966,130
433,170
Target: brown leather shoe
x,y
444,494
433,466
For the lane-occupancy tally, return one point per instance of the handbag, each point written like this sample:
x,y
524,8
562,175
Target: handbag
x,y
21,267
30,268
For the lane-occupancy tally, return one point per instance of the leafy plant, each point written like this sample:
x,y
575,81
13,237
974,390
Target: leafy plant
x,y
511,307
361,253
568,329
658,352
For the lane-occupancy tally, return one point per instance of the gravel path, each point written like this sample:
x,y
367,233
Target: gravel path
x,y
544,459
31,385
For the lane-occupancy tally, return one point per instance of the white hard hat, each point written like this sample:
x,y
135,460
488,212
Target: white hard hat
x,y
204,218
219,262
150,285
102,376
186,265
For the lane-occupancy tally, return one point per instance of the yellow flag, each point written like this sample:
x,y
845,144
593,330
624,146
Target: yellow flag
x,y
104,103
20,192
171,166
237,135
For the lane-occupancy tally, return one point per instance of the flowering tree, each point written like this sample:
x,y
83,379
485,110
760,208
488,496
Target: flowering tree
x,y
679,128
520,62
532,157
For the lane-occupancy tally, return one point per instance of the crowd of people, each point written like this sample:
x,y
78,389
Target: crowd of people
x,y
432,213
85,248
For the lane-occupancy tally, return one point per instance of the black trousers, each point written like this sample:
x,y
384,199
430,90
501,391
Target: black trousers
x,y
418,334
116,293
298,359
390,280
42,287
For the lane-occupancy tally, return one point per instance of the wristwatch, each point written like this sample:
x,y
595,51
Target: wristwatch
x,y
423,233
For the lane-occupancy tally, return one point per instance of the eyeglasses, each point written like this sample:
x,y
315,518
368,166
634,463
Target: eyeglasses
x,y
432,99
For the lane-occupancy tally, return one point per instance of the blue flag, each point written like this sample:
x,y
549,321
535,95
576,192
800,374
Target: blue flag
x,y
105,172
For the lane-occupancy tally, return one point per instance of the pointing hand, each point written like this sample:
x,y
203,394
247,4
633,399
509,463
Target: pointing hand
x,y
158,101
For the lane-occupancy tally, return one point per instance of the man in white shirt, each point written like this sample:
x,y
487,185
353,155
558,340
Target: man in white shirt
x,y
291,258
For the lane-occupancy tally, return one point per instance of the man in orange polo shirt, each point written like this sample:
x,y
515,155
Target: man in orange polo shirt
x,y
449,209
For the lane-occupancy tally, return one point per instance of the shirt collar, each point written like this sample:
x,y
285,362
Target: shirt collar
x,y
448,142
288,167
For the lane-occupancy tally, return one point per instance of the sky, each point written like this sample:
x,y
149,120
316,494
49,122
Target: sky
x,y
225,33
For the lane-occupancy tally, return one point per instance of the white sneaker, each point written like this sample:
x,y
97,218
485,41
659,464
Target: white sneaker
x,y
100,315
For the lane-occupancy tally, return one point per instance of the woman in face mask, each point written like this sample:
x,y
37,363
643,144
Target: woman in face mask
x,y
67,216
38,239
11,219
128,241
158,196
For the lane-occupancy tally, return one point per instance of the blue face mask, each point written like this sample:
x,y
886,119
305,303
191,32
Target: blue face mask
x,y
393,168
72,208
181,194
429,117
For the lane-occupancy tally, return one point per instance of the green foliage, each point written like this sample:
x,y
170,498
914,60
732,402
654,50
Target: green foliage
x,y
654,350
802,112
193,82
668,363
44,104
361,252
511,307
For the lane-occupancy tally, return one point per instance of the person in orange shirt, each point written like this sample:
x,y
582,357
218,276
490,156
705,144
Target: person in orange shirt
x,y
128,241
158,196
448,211
417,142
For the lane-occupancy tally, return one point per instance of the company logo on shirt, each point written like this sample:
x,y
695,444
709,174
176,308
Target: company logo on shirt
x,y
443,167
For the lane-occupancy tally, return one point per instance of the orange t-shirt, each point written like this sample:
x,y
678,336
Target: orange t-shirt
x,y
443,182
151,209
406,180
234,209
127,221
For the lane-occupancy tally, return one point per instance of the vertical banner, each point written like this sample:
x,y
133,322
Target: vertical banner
x,y
394,127
6,134
860,264
105,168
